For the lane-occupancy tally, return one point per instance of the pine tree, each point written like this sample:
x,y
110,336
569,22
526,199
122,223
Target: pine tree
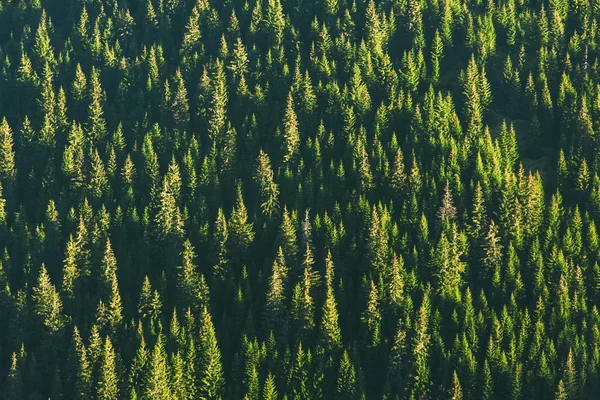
x,y
96,124
365,176
8,171
560,392
149,305
437,51
269,388
14,387
275,309
108,383
331,335
187,275
179,104
252,384
241,232
492,250
217,122
192,35
288,239
210,367
98,180
178,383
268,189
47,104
79,87
48,305
420,376
359,93
168,217
346,379
115,307
42,46
239,61
157,380
221,236
82,376
570,378
456,391
448,263
508,143
478,213
299,374
291,132
138,372
487,384
274,21
447,211
302,310
398,176
372,317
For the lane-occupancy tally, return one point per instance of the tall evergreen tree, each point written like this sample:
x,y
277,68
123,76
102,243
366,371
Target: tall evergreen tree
x,y
210,366
108,383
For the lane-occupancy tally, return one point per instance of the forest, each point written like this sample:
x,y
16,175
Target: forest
x,y
299,199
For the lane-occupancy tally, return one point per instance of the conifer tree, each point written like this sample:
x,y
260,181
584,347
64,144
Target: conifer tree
x,y
346,380
372,317
269,388
192,35
398,176
221,236
275,309
14,380
218,106
456,392
96,124
48,305
302,309
138,371
274,21
157,384
108,383
8,172
179,104
241,232
420,376
291,132
168,217
268,189
210,366
82,376
288,239
188,278
331,335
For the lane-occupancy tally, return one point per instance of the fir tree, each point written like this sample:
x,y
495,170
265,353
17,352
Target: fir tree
x,y
108,384
291,132
330,330
210,366
268,189
48,305
269,389
7,155
157,380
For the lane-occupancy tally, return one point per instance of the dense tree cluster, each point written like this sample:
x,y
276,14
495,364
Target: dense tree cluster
x,y
299,199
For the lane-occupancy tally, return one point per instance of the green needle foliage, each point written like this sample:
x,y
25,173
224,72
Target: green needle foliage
x,y
299,199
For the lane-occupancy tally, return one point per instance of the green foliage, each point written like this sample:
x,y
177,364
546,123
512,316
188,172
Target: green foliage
x,y
108,384
443,153
210,367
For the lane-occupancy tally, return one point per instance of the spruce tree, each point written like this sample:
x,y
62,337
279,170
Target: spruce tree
x,y
157,379
210,367
108,383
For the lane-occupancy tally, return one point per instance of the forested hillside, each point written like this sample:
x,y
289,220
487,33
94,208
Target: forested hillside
x,y
299,199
